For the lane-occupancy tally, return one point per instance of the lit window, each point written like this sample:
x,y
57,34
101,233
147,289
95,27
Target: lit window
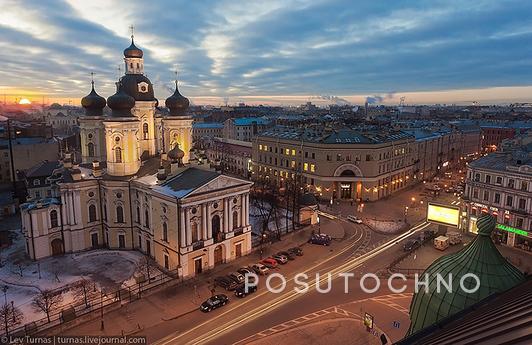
x,y
293,152
260,147
287,152
265,147
305,166
312,168
293,164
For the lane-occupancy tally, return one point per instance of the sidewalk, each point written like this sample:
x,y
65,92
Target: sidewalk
x,y
174,301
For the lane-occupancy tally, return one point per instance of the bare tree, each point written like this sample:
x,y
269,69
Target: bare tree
x,y
47,302
86,290
21,265
10,317
147,266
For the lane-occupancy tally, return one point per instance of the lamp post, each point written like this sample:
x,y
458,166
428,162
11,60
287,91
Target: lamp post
x,y
4,290
406,212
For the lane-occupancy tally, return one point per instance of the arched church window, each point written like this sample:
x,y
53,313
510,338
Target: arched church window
x,y
138,65
92,213
119,214
145,130
90,149
235,220
53,219
165,232
131,64
118,155
147,219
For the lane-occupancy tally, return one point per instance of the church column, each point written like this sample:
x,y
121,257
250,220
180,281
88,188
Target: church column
x,y
182,228
209,223
188,229
246,212
230,219
204,232
226,215
243,208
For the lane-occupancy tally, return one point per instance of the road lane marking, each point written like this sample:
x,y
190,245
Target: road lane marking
x,y
290,295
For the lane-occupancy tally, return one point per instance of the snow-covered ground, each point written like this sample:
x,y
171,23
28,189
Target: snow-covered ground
x,y
256,217
108,269
387,226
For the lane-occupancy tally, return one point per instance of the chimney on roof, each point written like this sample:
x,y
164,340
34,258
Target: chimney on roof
x,y
75,172
96,169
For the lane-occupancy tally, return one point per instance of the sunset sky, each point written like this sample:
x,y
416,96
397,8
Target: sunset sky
x,y
273,52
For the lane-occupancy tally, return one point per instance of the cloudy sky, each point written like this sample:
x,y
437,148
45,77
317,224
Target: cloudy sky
x,y
275,51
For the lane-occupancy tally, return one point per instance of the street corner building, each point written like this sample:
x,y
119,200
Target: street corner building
x,y
136,188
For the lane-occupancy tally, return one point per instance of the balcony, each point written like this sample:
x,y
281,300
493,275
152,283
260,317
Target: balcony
x,y
239,231
197,245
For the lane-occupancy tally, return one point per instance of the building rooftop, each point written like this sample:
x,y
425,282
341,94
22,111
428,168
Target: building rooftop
x,y
501,161
340,136
247,121
185,182
207,125
43,169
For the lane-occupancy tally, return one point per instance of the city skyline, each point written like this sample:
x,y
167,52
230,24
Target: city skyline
x,y
279,53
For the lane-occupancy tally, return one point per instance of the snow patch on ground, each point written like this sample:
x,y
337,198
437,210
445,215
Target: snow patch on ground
x,y
387,226
108,269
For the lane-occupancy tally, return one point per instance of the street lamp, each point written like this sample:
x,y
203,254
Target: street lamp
x,y
406,212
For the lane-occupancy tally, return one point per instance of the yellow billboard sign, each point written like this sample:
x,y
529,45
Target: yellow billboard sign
x,y
443,214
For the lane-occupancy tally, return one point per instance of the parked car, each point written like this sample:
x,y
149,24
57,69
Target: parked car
x,y
296,250
241,290
214,302
289,255
320,239
354,219
411,244
269,262
260,269
226,282
237,277
280,258
245,270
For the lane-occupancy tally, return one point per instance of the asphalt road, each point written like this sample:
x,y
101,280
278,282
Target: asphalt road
x,y
263,309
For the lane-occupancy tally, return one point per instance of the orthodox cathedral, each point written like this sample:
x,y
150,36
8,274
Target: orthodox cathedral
x,y
136,187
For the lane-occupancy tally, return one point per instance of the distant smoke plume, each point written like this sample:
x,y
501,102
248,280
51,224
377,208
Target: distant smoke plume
x,y
335,99
379,98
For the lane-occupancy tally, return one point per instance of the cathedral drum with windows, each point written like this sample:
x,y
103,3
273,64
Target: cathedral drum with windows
x,y
136,190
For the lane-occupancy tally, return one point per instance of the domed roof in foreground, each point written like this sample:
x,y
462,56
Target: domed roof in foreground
x,y
177,103
93,103
481,258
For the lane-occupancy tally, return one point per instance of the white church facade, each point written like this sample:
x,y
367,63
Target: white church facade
x,y
136,189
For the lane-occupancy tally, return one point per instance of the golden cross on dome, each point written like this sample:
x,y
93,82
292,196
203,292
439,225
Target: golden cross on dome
x,y
92,78
176,74
132,29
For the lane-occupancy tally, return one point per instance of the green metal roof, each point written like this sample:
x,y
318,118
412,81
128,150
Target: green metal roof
x,y
481,258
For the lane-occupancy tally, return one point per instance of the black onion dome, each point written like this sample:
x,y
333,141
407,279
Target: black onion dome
x,y
93,103
177,103
138,86
121,104
132,51
176,153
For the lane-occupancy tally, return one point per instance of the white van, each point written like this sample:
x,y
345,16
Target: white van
x,y
441,242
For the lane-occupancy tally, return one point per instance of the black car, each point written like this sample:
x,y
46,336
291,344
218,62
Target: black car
x,y
296,251
320,239
214,302
226,282
289,255
241,290
411,245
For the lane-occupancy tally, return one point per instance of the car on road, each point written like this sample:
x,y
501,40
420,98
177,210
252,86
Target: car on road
x,y
411,244
280,258
241,290
245,270
321,239
226,282
354,219
289,255
214,302
237,277
269,262
260,269
296,250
